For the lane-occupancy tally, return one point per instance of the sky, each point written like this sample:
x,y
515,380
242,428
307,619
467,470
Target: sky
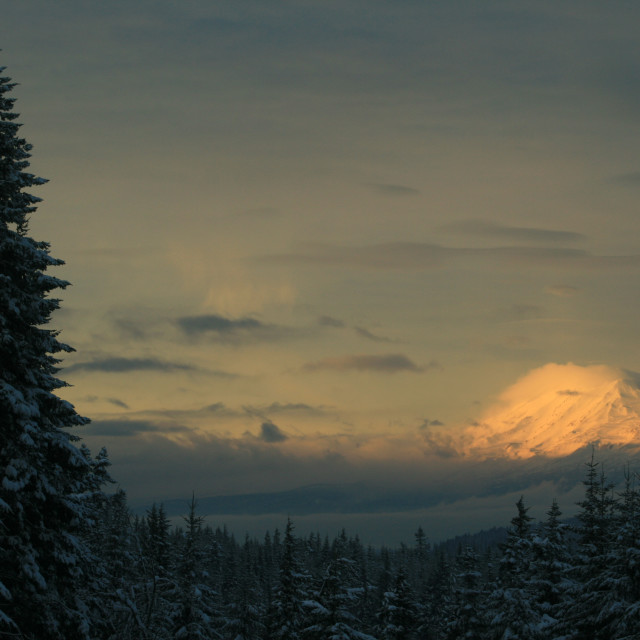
x,y
301,234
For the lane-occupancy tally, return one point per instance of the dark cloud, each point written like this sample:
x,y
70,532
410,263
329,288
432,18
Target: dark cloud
x,y
569,392
128,365
117,403
389,363
365,333
217,324
411,256
393,189
231,329
125,428
217,409
520,234
271,433
426,423
328,321
114,401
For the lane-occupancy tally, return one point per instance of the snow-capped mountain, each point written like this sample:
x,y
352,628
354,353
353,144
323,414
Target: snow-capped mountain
x,y
556,410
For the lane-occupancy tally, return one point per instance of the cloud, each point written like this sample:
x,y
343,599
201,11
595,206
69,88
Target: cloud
x,y
365,333
117,403
231,329
271,433
426,423
216,415
482,228
128,365
389,363
127,428
284,408
114,401
415,256
130,329
393,189
217,324
562,290
214,410
328,321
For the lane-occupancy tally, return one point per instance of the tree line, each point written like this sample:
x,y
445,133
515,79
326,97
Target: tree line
x,y
546,580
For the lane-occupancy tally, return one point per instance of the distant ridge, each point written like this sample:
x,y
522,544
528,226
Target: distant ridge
x,y
318,498
491,477
557,409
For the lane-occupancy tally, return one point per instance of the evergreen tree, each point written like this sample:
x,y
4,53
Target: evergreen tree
x,y
624,613
612,585
466,620
398,618
155,588
286,619
511,605
551,573
194,618
596,534
245,613
331,611
419,566
48,485
438,603
112,541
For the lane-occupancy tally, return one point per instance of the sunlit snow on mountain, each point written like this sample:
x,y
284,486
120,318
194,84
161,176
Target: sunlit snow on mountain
x,y
557,409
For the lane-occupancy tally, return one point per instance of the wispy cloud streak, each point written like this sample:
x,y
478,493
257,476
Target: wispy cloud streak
x,y
389,363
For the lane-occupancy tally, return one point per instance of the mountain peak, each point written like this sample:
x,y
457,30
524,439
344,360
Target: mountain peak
x,y
557,409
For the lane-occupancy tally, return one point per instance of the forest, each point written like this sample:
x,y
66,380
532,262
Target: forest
x,y
545,580
76,564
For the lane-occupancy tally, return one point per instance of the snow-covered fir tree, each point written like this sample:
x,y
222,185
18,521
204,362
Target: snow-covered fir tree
x,y
551,580
466,612
623,575
195,617
244,614
596,530
286,617
512,610
48,485
331,610
398,617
